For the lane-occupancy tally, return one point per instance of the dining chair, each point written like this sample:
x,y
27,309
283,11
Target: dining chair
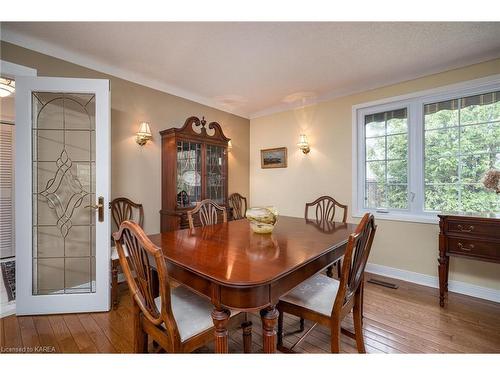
x,y
236,201
325,209
179,320
206,212
327,301
122,209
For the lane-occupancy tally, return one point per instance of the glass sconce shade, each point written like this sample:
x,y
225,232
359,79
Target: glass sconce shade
x,y
144,134
303,144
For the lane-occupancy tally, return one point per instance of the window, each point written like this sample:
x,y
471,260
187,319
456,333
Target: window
x,y
461,142
426,153
386,168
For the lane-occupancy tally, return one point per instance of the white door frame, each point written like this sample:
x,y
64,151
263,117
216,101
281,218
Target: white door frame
x,y
27,303
11,70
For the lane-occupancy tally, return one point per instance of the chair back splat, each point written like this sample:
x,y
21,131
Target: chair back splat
x,y
124,209
325,209
239,205
325,219
207,212
355,259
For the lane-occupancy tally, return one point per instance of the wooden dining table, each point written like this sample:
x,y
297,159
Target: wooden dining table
x,y
244,271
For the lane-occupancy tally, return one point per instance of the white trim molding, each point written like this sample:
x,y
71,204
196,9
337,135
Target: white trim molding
x,y
433,282
7,309
11,70
414,103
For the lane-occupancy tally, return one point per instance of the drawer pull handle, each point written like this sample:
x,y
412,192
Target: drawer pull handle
x,y
462,229
462,247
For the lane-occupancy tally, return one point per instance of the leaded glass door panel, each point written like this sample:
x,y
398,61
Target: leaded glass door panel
x,y
63,159
188,173
216,176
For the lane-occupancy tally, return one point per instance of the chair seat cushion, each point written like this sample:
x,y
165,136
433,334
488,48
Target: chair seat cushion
x,y
192,313
114,252
316,293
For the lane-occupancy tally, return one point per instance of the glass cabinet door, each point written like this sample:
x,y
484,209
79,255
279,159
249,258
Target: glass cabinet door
x,y
215,164
188,173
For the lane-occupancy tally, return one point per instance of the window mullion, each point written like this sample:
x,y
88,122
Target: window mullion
x,y
386,196
459,156
416,156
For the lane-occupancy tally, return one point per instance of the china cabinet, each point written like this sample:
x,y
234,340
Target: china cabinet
x,y
194,168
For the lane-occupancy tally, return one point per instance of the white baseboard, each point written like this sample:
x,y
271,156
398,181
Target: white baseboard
x,y
432,281
7,309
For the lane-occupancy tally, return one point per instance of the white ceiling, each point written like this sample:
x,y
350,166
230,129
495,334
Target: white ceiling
x,y
254,68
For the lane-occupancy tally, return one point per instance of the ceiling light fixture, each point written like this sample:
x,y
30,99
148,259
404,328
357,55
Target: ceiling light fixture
x,y
7,87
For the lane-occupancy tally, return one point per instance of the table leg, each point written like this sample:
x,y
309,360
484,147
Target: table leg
x,y
220,318
269,317
247,336
443,278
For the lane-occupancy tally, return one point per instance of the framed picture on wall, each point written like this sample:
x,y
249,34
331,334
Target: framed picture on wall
x,y
273,158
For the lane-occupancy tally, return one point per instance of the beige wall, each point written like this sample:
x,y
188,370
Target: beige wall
x,y
328,170
136,170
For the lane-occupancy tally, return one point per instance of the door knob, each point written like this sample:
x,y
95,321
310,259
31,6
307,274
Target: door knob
x,y
99,207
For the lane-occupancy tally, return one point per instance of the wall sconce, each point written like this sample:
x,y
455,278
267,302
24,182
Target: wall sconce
x,y
304,144
144,134
229,146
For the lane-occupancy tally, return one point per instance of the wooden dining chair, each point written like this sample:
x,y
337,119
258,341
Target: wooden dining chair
x,y
325,209
122,209
239,205
206,212
327,301
178,320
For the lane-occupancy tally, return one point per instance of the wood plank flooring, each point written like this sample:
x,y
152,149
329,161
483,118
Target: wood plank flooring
x,y
404,320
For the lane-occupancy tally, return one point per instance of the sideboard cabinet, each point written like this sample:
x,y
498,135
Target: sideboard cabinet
x,y
193,167
467,236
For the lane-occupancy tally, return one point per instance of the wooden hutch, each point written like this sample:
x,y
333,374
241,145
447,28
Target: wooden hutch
x,y
193,167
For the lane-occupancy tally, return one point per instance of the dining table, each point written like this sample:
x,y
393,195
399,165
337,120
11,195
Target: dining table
x,y
240,270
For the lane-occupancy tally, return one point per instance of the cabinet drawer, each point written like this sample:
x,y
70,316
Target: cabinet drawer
x,y
476,248
466,228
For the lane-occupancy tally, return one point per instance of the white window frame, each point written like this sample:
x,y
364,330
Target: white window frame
x,y
414,102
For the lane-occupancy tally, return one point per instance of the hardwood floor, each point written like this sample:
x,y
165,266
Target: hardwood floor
x,y
405,320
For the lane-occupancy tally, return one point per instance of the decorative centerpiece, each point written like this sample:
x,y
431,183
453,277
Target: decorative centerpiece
x,y
262,219
491,180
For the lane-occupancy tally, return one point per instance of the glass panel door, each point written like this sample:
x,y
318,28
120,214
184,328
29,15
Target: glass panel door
x,y
63,162
188,173
62,188
215,174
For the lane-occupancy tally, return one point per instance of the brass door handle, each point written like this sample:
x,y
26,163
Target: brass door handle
x,y
94,206
99,207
